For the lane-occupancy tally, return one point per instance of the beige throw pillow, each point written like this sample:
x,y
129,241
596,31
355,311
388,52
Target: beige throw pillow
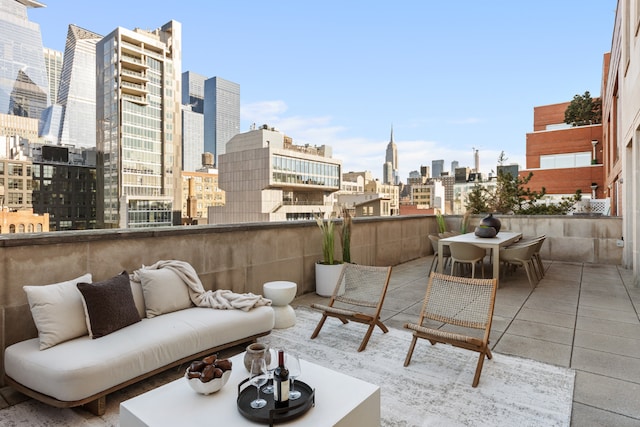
x,y
138,298
58,311
164,291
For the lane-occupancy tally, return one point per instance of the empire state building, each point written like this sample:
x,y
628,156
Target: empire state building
x,y
390,168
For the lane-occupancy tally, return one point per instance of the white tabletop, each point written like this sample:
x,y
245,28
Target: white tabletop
x,y
503,238
340,400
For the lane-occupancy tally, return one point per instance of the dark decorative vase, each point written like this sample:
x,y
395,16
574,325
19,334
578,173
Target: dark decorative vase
x,y
484,231
490,221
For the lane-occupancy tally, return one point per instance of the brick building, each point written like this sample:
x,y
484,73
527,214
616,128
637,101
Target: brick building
x,y
563,158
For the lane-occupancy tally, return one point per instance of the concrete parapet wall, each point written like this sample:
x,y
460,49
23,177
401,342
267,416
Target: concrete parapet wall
x,y
242,257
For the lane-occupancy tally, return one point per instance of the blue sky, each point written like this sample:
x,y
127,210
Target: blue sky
x,y
449,76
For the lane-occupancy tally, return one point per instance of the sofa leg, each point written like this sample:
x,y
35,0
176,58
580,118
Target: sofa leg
x,y
98,406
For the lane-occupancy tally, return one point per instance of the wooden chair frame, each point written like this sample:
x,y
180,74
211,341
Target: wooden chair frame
x,y
364,286
458,301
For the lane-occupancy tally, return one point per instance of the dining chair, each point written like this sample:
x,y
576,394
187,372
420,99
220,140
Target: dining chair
x,y
464,303
365,288
539,241
521,255
467,253
446,253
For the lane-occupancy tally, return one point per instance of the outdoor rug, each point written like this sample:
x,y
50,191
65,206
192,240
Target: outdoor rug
x,y
435,389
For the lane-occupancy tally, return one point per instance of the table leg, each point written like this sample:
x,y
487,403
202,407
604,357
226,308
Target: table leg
x,y
496,263
440,268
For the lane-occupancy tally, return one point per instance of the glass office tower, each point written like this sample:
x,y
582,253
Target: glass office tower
x,y
139,126
192,139
77,93
221,114
193,91
53,65
192,120
24,88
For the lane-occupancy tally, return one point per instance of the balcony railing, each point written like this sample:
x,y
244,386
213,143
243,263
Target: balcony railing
x,y
242,257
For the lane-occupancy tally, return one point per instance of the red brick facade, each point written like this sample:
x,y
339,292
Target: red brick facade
x,y
563,141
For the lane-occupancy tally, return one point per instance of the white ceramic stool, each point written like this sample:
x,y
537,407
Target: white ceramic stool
x,y
281,293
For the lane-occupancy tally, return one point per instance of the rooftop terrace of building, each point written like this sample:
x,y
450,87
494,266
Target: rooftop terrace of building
x,y
582,315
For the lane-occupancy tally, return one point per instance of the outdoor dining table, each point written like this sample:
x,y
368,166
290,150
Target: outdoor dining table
x,y
503,238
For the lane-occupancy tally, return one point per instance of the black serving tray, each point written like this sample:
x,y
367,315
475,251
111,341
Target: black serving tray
x,y
269,414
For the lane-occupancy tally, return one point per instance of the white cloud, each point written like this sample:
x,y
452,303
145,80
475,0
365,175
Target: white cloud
x,y
262,112
365,154
465,121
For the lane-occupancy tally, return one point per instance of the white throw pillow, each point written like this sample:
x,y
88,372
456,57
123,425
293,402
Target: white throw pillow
x,y
58,311
164,291
138,298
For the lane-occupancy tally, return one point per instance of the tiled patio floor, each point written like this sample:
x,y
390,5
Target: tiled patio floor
x,y
581,316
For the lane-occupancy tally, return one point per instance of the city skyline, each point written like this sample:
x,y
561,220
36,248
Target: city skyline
x,y
448,78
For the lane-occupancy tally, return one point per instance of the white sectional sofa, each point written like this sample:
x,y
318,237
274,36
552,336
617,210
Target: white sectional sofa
x,y
82,370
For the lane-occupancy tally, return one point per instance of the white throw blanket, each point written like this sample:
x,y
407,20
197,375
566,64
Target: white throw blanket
x,y
222,299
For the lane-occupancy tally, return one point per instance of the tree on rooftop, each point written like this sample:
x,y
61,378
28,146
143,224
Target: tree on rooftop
x,y
476,201
583,110
512,196
502,158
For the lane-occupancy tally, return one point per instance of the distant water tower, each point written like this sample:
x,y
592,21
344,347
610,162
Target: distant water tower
x,y
207,159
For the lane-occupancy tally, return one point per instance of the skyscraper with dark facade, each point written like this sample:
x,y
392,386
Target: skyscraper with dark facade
x,y
437,167
64,186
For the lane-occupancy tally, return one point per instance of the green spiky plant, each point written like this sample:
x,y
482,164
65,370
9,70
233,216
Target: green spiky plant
x,y
328,239
442,227
465,222
346,235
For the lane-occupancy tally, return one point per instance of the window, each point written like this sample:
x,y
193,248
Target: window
x,y
571,160
15,169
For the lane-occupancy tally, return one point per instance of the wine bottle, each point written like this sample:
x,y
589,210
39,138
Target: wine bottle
x,y
281,383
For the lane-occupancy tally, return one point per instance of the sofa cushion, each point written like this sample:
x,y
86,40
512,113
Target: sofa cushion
x,y
138,297
84,367
108,305
57,311
164,291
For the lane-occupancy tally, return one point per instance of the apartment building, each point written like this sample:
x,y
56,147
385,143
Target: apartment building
x,y
268,178
620,123
564,158
200,190
138,110
429,195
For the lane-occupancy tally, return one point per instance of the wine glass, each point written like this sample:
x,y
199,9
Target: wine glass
x,y
293,364
271,366
258,378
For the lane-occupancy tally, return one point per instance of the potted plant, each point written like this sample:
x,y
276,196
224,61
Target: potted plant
x,y
328,269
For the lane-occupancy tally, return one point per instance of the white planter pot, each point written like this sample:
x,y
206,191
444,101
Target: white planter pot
x,y
326,279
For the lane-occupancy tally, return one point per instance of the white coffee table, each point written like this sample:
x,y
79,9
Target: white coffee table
x,y
340,400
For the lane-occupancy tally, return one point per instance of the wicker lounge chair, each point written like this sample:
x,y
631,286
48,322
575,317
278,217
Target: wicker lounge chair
x,y
365,288
460,302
